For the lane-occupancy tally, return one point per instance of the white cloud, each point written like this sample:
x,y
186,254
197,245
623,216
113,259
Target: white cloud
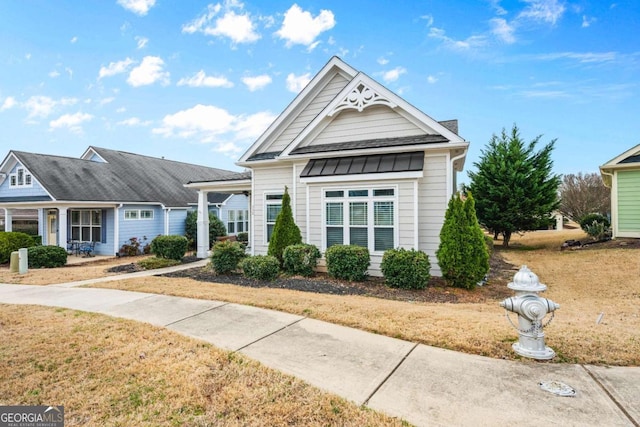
x,y
134,121
300,27
149,72
121,110
238,27
200,79
9,102
142,42
393,75
502,30
53,74
499,9
428,18
69,71
470,42
42,106
257,82
73,39
139,7
586,21
105,101
27,56
251,127
296,83
70,121
383,61
432,79
582,57
115,68
543,10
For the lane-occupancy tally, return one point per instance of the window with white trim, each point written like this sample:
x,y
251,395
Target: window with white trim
x,y
86,225
272,207
20,178
134,214
363,217
237,221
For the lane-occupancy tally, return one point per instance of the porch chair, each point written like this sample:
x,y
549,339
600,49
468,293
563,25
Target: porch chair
x,y
87,249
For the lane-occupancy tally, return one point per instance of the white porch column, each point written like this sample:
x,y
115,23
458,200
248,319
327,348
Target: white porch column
x,y
42,223
116,230
203,225
8,219
62,227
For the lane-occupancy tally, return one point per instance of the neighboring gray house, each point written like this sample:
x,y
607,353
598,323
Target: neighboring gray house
x,y
105,196
362,166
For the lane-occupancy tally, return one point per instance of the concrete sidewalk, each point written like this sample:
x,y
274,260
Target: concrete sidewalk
x,y
423,385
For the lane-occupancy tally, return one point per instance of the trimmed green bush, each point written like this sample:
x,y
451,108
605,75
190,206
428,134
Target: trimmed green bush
x,y
261,267
170,247
285,231
407,269
226,256
301,259
152,263
348,262
216,228
11,241
588,220
243,237
46,256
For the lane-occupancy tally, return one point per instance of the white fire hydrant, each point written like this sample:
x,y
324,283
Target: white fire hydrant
x,y
531,309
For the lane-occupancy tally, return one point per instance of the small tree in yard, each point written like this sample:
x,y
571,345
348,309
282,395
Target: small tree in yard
x,y
514,186
462,253
581,195
285,230
216,228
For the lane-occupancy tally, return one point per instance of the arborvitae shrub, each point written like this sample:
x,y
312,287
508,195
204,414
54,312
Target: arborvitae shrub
x,y
588,220
348,262
261,267
301,259
170,247
11,241
46,256
225,256
216,228
408,269
285,231
479,254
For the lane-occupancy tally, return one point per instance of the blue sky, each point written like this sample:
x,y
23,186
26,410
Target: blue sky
x,y
198,82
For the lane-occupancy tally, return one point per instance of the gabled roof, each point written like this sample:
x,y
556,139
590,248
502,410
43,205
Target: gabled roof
x,y
122,178
359,93
627,160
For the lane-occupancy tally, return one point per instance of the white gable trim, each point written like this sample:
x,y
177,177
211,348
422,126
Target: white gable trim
x,y
335,65
361,97
325,117
613,163
89,153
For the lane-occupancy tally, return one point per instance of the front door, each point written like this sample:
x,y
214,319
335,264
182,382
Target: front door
x,y
52,221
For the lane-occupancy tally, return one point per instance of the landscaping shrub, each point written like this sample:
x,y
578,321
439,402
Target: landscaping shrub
x,y
152,263
243,237
407,269
171,247
596,226
11,241
226,256
261,267
216,228
349,262
46,256
301,259
285,231
132,247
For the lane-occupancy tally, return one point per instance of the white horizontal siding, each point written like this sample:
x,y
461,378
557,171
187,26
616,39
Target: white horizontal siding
x,y
432,194
372,123
266,181
335,85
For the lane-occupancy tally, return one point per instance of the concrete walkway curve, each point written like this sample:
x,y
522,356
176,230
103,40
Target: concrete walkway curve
x,y
423,385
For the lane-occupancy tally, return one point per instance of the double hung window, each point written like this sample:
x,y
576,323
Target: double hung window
x,y
86,225
273,205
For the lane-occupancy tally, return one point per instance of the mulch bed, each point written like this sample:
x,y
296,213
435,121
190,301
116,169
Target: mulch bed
x,y
437,290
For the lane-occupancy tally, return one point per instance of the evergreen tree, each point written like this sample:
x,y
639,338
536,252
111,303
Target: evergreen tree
x,y
479,253
285,230
514,186
216,228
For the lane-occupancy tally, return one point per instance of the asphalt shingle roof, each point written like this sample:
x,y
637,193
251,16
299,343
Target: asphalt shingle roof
x,y
125,177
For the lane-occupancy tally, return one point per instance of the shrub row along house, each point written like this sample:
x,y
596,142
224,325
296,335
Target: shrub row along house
x,y
109,197
362,167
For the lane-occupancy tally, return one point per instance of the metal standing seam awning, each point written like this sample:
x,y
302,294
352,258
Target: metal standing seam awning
x,y
370,164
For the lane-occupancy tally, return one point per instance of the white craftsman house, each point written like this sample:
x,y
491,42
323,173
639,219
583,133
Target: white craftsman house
x,y
362,167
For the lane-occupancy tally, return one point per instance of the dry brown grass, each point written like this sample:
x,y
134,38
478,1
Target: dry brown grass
x,y
85,269
585,283
108,371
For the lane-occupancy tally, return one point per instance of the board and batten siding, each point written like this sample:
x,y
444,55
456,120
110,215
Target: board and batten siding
x,y
372,123
432,194
335,85
628,203
267,180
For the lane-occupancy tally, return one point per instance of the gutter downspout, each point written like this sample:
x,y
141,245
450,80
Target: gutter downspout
x,y
453,174
116,228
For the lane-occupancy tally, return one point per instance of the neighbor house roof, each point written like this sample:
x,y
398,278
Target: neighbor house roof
x,y
122,177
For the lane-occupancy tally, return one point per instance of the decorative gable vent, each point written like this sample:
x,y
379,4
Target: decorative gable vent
x,y
361,97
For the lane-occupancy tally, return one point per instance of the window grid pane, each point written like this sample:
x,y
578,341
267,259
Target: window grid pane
x,y
359,236
334,213
383,239
272,212
383,213
383,192
335,236
358,213
358,193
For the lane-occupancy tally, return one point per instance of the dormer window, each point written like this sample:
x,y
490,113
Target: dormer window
x,y
21,178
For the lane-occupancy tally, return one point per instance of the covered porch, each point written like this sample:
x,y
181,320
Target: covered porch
x,y
239,183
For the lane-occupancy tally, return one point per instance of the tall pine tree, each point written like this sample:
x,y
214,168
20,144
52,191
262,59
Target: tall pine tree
x,y
514,186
